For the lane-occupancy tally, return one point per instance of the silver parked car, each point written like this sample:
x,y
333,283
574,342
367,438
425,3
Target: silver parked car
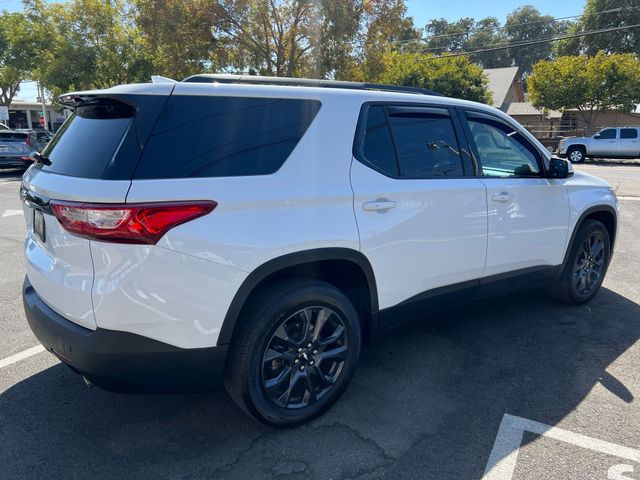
x,y
614,142
16,148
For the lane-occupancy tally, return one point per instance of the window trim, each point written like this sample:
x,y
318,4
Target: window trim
x,y
464,120
629,138
615,137
451,113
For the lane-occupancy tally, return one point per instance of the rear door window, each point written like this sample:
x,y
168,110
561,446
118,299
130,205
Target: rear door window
x,y
629,133
215,136
426,143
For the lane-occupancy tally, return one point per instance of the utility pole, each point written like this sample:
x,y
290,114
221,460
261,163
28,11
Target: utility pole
x,y
44,106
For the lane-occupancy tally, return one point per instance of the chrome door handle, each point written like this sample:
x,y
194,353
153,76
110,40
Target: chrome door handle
x,y
503,197
379,205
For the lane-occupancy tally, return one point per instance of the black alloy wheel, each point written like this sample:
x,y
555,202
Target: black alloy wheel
x,y
305,357
590,263
294,352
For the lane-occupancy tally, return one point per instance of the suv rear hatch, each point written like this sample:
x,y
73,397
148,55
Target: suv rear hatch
x,y
90,160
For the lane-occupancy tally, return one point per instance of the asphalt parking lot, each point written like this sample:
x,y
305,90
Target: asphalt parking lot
x,y
530,388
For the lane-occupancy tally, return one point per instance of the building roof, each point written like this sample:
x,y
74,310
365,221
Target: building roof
x,y
526,108
500,80
17,104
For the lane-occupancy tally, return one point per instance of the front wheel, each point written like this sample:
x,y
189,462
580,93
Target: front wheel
x,y
576,154
586,265
295,352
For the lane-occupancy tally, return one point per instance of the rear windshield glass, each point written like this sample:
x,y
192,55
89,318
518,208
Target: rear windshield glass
x,y
211,136
88,140
12,137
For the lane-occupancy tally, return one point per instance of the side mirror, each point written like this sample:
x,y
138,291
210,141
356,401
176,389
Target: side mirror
x,y
596,136
559,168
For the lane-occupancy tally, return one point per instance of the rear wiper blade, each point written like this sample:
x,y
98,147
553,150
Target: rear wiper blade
x,y
41,159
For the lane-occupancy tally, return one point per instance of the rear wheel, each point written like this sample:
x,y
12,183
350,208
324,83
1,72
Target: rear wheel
x,y
576,154
586,266
295,352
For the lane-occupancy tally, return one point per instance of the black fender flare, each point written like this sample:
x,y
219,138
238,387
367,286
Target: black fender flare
x,y
291,260
589,211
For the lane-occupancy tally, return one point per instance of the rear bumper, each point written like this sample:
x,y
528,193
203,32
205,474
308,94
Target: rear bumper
x,y
14,162
122,361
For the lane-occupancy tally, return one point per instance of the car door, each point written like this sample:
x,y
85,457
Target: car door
x,y
528,214
628,145
420,211
604,143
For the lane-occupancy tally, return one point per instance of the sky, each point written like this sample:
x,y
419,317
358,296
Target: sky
x,y
421,11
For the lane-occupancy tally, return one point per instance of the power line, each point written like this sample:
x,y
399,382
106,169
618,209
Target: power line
x,y
523,24
536,42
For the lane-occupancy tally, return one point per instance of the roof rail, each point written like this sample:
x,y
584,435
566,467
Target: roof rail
x,y
304,82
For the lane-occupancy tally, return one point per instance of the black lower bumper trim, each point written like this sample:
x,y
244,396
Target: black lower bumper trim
x,y
122,361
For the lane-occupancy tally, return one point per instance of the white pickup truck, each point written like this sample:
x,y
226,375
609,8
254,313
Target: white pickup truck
x,y
614,142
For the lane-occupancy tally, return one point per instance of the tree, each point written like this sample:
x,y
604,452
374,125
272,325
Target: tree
x,y
590,85
625,13
447,37
451,76
334,55
526,24
386,28
488,33
89,44
18,54
274,37
177,36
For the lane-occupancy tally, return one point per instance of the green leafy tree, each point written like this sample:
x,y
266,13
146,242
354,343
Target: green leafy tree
x,y
334,55
177,36
488,33
451,76
590,85
18,54
273,37
625,13
526,24
89,44
447,37
387,28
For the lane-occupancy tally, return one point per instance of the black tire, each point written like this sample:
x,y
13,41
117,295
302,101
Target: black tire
x,y
576,154
582,266
284,306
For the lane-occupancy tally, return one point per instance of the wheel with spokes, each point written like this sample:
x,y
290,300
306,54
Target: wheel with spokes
x,y
294,353
586,265
576,154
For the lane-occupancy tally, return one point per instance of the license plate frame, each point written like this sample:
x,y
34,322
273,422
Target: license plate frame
x,y
38,225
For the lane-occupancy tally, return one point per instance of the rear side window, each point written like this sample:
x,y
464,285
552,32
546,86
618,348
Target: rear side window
x,y
629,133
12,137
212,136
378,145
427,145
87,141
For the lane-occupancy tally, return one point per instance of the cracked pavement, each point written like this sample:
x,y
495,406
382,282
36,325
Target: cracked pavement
x,y
425,403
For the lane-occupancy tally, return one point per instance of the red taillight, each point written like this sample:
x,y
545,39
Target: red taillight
x,y
127,223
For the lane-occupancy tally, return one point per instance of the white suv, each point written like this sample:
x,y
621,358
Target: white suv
x,y
246,229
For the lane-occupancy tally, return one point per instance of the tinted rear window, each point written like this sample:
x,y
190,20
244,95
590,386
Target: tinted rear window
x,y
209,136
88,140
12,137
